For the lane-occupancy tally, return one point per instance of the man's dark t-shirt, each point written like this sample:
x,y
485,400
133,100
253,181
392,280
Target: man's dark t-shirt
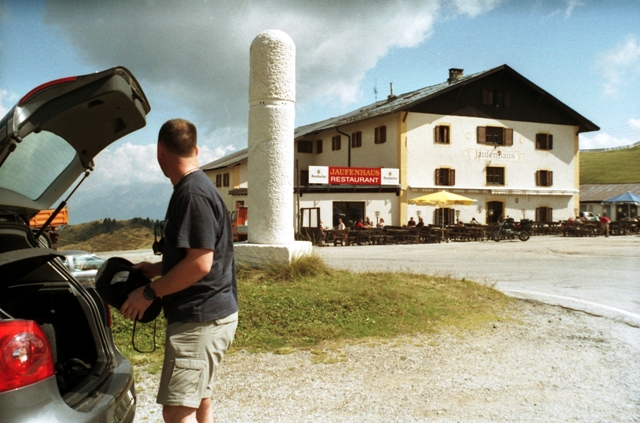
x,y
197,218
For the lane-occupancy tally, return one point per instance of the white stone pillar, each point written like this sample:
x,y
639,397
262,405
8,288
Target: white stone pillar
x,y
272,95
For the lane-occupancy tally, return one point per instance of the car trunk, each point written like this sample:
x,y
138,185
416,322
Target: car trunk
x,y
34,285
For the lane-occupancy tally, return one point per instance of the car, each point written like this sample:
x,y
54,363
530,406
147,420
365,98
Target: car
x,y
588,216
83,265
58,361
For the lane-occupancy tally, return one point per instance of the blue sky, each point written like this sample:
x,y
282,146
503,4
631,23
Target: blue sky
x,y
192,57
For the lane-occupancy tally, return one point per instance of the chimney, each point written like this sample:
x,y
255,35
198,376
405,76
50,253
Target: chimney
x,y
454,75
391,96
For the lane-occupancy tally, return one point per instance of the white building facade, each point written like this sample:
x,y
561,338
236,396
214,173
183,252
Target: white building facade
x,y
493,136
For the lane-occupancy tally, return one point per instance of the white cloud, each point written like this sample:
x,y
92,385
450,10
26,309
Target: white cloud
x,y
571,5
620,65
7,101
603,140
197,53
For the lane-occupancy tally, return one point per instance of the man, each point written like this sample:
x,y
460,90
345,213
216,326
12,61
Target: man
x,y
604,222
197,281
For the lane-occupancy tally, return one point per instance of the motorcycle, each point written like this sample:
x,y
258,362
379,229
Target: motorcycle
x,y
509,229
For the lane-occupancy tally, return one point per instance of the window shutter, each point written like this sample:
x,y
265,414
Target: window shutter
x,y
508,136
539,141
538,179
549,178
549,214
452,177
446,135
383,134
550,142
437,176
436,134
451,214
486,96
482,135
507,99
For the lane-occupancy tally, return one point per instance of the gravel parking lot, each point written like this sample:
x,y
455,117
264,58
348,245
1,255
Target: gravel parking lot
x,y
545,363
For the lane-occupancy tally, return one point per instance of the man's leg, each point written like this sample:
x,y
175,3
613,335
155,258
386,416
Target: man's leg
x,y
180,414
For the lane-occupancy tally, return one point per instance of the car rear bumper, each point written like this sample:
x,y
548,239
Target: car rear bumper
x,y
41,402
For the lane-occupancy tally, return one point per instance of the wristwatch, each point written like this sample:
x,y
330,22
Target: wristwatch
x,y
149,293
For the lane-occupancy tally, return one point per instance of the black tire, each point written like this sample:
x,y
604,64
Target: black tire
x,y
524,235
497,235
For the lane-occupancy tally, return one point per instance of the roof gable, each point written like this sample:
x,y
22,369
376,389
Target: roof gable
x,y
463,96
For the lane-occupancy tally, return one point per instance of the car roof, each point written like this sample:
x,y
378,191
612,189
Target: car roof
x,y
54,132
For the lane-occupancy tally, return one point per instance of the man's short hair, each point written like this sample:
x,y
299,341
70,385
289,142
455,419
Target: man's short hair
x,y
179,136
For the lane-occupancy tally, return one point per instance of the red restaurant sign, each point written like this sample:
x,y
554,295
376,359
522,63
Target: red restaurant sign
x,y
336,175
354,175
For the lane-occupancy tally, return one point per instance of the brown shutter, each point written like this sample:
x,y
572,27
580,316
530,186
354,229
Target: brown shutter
x,y
437,176
538,179
539,141
446,134
550,143
383,134
508,136
482,135
549,178
452,177
485,96
549,214
436,134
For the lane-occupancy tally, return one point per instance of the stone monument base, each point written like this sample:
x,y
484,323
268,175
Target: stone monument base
x,y
258,255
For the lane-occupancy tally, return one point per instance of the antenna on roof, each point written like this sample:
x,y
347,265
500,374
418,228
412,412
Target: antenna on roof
x,y
375,90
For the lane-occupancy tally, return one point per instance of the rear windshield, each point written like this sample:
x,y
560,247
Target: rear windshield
x,y
37,161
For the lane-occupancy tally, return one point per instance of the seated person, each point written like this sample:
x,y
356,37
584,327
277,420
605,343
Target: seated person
x,y
411,223
322,233
359,225
341,226
368,223
473,221
459,223
380,223
420,223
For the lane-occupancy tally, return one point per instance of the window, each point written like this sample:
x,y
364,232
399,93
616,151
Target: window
x,y
544,141
496,98
356,139
441,134
381,135
225,180
319,147
336,142
218,180
304,178
544,178
444,216
305,146
445,177
494,135
495,175
544,214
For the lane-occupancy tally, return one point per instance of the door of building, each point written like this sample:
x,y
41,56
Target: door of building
x,y
495,210
348,211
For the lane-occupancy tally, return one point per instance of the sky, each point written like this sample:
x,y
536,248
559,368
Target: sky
x,y
191,58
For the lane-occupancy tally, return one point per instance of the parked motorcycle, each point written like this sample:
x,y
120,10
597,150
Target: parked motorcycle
x,y
509,229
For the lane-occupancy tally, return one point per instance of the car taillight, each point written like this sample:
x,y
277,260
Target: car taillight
x,y
109,316
45,86
25,355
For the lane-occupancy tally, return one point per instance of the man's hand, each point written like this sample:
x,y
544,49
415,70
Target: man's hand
x,y
135,305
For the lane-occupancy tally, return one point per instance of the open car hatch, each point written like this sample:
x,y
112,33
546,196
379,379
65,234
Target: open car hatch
x,y
52,135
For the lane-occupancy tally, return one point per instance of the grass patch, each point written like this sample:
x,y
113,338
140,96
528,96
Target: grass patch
x,y
610,167
283,308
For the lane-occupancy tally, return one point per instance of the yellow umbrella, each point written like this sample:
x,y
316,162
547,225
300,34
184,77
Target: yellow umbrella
x,y
442,199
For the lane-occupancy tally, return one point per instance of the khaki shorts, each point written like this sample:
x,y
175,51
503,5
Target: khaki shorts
x,y
192,353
